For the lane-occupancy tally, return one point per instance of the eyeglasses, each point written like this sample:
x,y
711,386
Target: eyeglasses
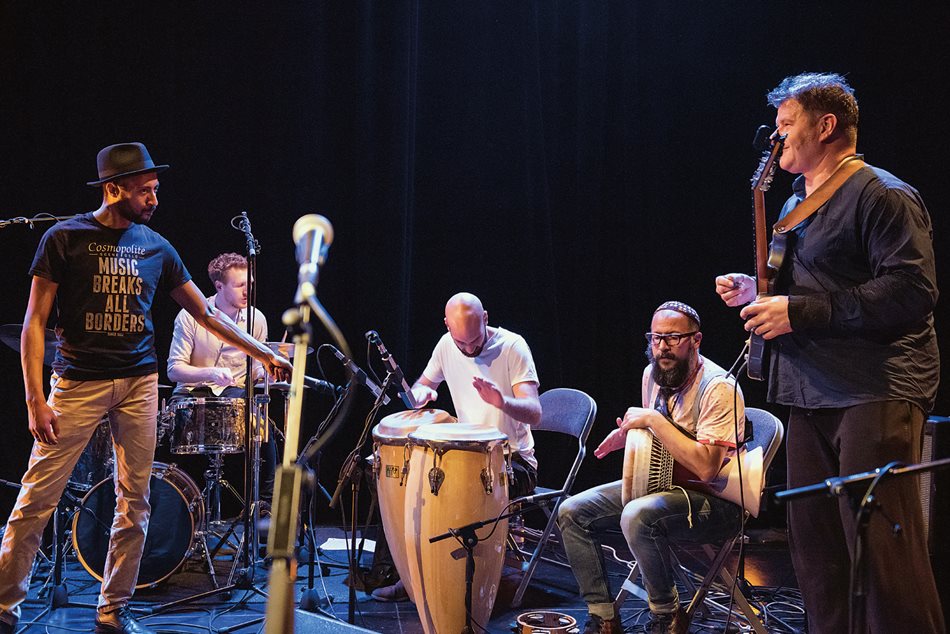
x,y
672,340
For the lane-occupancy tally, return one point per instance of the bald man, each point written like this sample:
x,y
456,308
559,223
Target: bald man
x,y
492,381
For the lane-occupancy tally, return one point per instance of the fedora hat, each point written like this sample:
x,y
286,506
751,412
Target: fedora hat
x,y
123,159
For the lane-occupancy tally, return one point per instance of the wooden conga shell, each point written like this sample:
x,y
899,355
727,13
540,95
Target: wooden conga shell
x,y
390,437
437,571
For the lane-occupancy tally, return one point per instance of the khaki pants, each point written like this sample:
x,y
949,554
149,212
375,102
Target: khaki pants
x,y
132,406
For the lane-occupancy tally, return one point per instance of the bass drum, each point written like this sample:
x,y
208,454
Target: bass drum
x,y
177,513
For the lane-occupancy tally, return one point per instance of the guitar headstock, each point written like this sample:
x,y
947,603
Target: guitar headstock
x,y
765,172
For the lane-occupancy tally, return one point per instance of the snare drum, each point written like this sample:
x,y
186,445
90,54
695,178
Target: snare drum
x,y
458,474
208,424
177,513
390,467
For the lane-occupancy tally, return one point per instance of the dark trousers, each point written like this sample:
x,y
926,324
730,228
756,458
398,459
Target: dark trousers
x,y
902,596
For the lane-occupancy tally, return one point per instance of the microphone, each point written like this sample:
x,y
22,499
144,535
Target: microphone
x,y
761,140
313,235
360,376
252,245
318,385
406,394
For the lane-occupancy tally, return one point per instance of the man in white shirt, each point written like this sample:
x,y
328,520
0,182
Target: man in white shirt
x,y
492,381
203,365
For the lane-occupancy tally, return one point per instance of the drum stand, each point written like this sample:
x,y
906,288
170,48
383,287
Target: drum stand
x,y
58,594
239,579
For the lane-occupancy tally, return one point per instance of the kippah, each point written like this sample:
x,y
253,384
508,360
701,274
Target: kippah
x,y
680,307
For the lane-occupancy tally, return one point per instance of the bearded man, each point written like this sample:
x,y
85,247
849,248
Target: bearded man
x,y
691,405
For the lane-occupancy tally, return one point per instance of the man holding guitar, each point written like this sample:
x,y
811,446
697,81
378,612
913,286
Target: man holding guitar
x,y
853,353
695,410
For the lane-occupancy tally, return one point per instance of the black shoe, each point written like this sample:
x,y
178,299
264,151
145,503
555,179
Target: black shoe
x,y
669,623
120,621
597,625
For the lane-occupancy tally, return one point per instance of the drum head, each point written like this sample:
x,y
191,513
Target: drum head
x,y
399,425
170,532
457,433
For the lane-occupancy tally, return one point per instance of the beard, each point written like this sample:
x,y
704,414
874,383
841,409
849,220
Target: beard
x,y
673,377
125,210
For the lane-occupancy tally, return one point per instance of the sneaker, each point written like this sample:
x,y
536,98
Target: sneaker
x,y
597,625
391,594
120,621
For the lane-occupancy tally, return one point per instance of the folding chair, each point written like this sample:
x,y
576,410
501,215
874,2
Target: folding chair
x,y
767,433
570,412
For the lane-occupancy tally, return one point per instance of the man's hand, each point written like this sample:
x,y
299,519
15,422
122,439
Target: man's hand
x,y
423,395
767,316
278,367
43,423
615,440
735,289
221,377
488,391
634,418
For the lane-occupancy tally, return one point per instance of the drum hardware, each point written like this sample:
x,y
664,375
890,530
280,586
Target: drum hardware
x,y
352,473
56,584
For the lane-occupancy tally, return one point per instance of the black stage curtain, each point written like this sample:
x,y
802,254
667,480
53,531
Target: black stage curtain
x,y
572,163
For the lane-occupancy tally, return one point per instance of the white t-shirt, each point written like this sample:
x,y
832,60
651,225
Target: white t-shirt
x,y
505,361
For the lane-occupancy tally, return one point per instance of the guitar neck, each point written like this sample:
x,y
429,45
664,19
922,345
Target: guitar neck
x,y
761,244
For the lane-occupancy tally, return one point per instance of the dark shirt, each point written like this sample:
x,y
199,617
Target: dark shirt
x,y
107,281
862,287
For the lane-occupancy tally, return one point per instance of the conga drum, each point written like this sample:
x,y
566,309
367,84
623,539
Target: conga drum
x,y
390,459
458,474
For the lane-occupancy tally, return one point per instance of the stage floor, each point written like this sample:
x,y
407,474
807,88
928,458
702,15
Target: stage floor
x,y
767,567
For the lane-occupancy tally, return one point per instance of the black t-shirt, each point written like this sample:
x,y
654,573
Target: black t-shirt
x,y
107,281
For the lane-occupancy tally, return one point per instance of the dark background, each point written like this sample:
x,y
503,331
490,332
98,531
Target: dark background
x,y
572,163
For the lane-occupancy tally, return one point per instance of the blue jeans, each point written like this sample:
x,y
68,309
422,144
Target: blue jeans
x,y
649,524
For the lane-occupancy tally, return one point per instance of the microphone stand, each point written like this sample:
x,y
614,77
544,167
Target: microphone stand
x,y
850,486
242,570
352,473
468,538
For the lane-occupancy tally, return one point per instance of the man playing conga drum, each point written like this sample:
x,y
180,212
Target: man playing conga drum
x,y
492,380
680,388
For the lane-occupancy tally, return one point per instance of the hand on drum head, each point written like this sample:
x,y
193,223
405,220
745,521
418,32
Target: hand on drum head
x,y
423,395
43,424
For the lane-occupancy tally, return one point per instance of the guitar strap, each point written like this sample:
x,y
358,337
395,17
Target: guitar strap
x,y
820,196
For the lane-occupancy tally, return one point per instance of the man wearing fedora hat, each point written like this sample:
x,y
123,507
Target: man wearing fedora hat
x,y
103,269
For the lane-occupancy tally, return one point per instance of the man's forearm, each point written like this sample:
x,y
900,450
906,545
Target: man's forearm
x,y
523,410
